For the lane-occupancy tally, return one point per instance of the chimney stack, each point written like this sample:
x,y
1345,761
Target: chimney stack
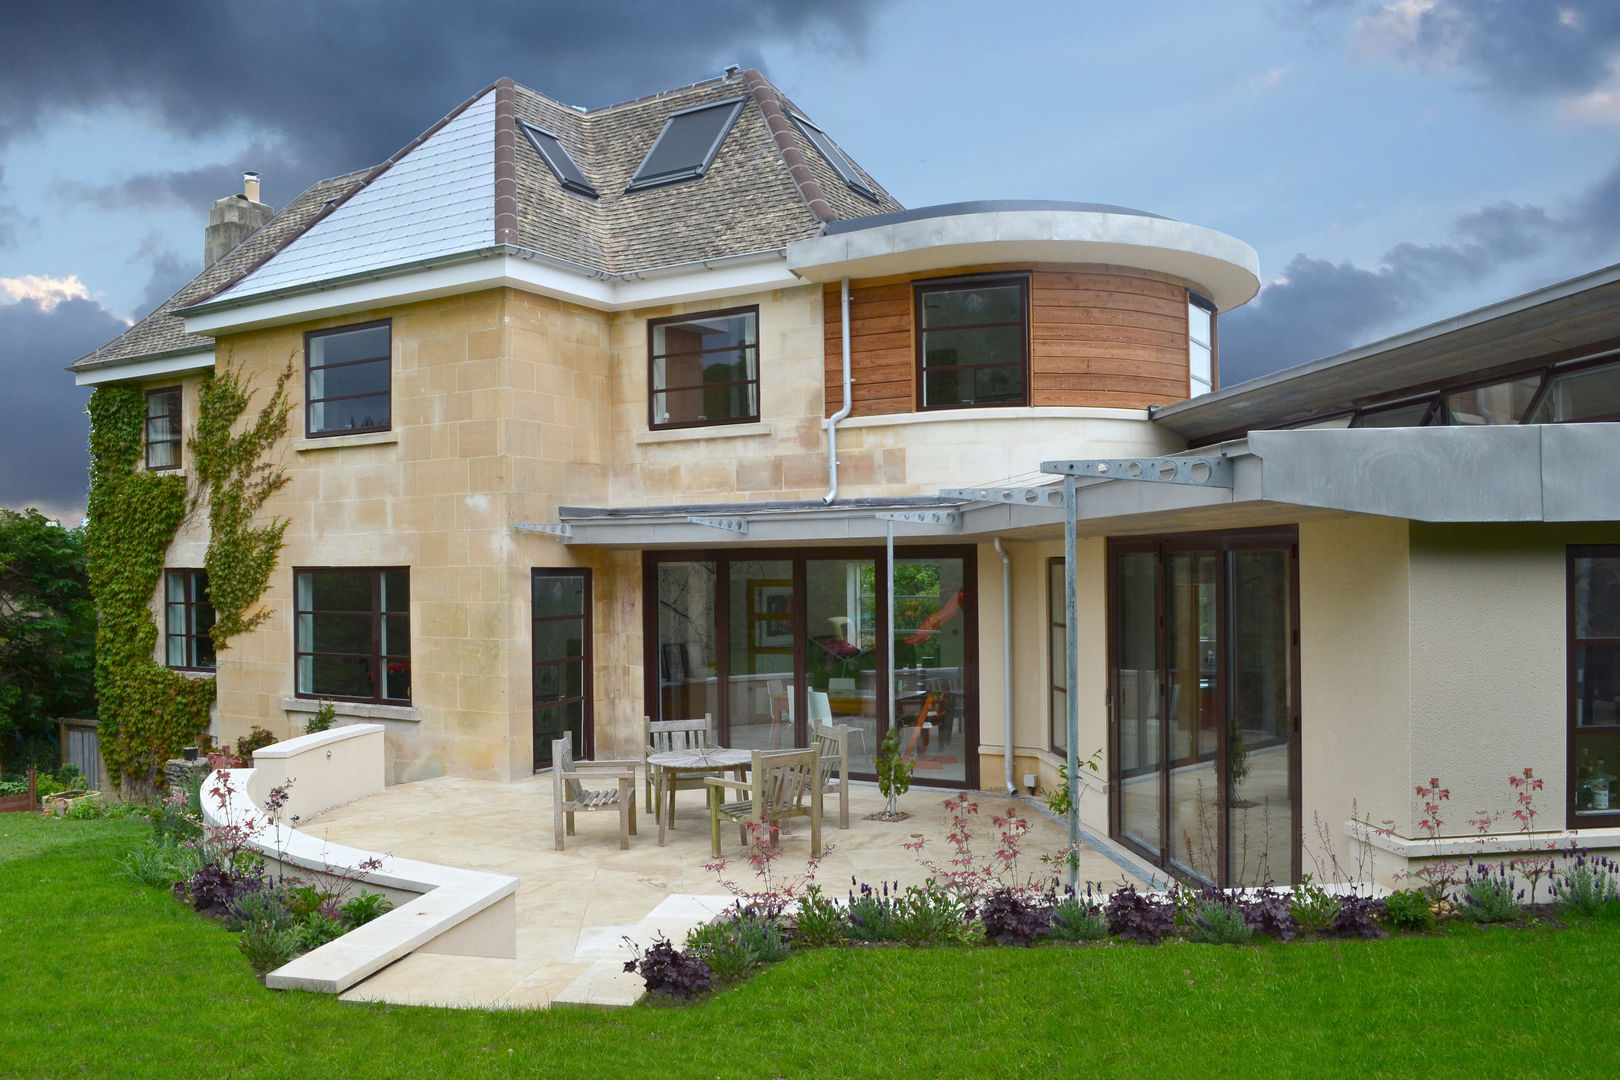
x,y
234,219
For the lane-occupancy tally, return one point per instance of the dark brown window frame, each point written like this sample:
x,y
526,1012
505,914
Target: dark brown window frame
x,y
309,402
1585,820
1221,541
919,289
377,656
188,633
1055,621
178,395
799,556
653,390
588,659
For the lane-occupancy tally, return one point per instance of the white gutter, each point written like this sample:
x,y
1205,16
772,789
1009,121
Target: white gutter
x,y
1006,665
849,402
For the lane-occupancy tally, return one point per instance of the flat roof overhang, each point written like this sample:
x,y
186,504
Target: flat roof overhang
x,y
1561,321
1224,269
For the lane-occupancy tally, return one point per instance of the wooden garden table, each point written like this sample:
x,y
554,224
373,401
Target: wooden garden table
x,y
671,763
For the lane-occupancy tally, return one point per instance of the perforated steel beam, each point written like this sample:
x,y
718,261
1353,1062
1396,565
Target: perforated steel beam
x,y
1048,495
1196,470
948,519
549,528
725,524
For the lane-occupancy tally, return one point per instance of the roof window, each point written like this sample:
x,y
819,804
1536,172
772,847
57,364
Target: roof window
x,y
686,147
557,159
835,157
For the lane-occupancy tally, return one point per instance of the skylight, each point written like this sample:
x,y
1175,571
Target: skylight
x,y
686,147
835,157
556,157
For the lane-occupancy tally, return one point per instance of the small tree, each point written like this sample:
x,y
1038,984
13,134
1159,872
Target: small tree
x,y
893,772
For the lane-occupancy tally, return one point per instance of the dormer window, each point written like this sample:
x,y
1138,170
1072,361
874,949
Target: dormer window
x,y
836,158
687,146
557,159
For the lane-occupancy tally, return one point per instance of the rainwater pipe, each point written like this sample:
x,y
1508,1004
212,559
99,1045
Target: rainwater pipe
x,y
849,402
1006,666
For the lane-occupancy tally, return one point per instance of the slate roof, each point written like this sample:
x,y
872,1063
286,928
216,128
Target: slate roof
x,y
474,181
163,333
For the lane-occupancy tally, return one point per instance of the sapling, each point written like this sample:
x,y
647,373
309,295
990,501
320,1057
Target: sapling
x,y
893,772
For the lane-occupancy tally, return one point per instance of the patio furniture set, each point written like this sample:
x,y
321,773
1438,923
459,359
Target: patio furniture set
x,y
768,786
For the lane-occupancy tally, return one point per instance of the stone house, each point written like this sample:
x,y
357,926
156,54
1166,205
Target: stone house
x,y
617,412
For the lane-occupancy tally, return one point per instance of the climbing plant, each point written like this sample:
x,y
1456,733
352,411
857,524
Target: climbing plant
x,y
236,475
146,712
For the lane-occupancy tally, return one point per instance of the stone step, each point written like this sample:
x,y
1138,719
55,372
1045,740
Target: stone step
x,y
605,983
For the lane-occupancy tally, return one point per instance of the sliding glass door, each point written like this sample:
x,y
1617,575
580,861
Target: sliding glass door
x,y
1202,635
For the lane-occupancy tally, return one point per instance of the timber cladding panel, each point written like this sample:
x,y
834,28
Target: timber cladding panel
x,y
1099,337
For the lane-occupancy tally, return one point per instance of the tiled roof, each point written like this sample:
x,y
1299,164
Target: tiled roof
x,y
162,333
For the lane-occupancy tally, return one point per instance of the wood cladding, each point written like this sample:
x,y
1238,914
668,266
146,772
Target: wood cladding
x,y
1098,337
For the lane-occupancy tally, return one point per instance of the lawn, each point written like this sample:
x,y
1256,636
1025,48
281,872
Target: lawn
x,y
103,977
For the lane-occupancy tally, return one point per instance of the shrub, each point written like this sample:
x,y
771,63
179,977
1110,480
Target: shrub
x,y
668,971
928,915
1357,917
1270,912
1074,919
325,713
215,888
1409,909
1490,896
1218,918
1011,918
257,738
305,901
364,907
178,817
819,921
316,930
1589,887
162,864
263,908
871,915
1135,917
734,945
1313,908
267,946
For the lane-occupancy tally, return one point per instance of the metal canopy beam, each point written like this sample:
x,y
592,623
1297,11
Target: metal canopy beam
x,y
548,528
1196,470
948,519
1047,495
725,524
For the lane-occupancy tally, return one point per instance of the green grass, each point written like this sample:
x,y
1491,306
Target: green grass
x,y
102,977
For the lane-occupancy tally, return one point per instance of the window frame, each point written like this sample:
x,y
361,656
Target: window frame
x,y
580,185
1056,621
640,181
377,656
653,423
920,289
587,659
1211,380
177,441
1587,820
834,156
189,604
309,369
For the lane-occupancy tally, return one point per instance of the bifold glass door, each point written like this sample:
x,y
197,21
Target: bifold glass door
x,y
1204,693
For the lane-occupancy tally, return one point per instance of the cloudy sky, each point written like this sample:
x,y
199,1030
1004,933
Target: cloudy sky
x,y
1392,163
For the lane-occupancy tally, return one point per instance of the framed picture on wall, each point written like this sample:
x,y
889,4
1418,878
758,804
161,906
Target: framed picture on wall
x,y
770,616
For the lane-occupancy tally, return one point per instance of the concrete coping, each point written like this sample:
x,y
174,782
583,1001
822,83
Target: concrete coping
x,y
432,901
315,740
1491,844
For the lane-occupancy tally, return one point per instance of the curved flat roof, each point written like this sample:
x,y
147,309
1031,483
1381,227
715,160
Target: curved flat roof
x,y
1027,231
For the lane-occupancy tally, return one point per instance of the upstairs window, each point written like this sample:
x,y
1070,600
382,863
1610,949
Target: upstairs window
x,y
836,158
1200,345
687,146
348,373
973,342
704,369
163,428
557,159
1581,395
189,621
353,634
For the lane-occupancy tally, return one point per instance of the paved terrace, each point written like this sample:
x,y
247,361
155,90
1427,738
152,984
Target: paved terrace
x,y
574,907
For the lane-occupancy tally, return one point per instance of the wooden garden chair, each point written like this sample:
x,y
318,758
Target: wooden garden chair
x,y
781,784
832,748
569,794
662,735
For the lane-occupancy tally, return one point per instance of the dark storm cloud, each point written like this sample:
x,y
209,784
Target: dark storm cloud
x,y
191,188
44,441
1318,308
169,272
344,85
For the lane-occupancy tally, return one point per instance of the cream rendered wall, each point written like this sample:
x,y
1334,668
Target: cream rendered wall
x,y
1355,677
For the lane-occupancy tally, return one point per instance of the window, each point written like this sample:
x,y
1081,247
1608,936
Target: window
x,y
1582,395
1498,403
347,377
835,157
561,601
353,634
557,159
687,146
1057,655
1594,686
703,369
189,621
1200,345
1410,414
973,342
163,428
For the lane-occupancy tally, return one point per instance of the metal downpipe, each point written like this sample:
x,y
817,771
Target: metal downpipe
x,y
1006,666
849,402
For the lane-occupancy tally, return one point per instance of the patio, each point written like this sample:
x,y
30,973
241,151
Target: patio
x,y
574,907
